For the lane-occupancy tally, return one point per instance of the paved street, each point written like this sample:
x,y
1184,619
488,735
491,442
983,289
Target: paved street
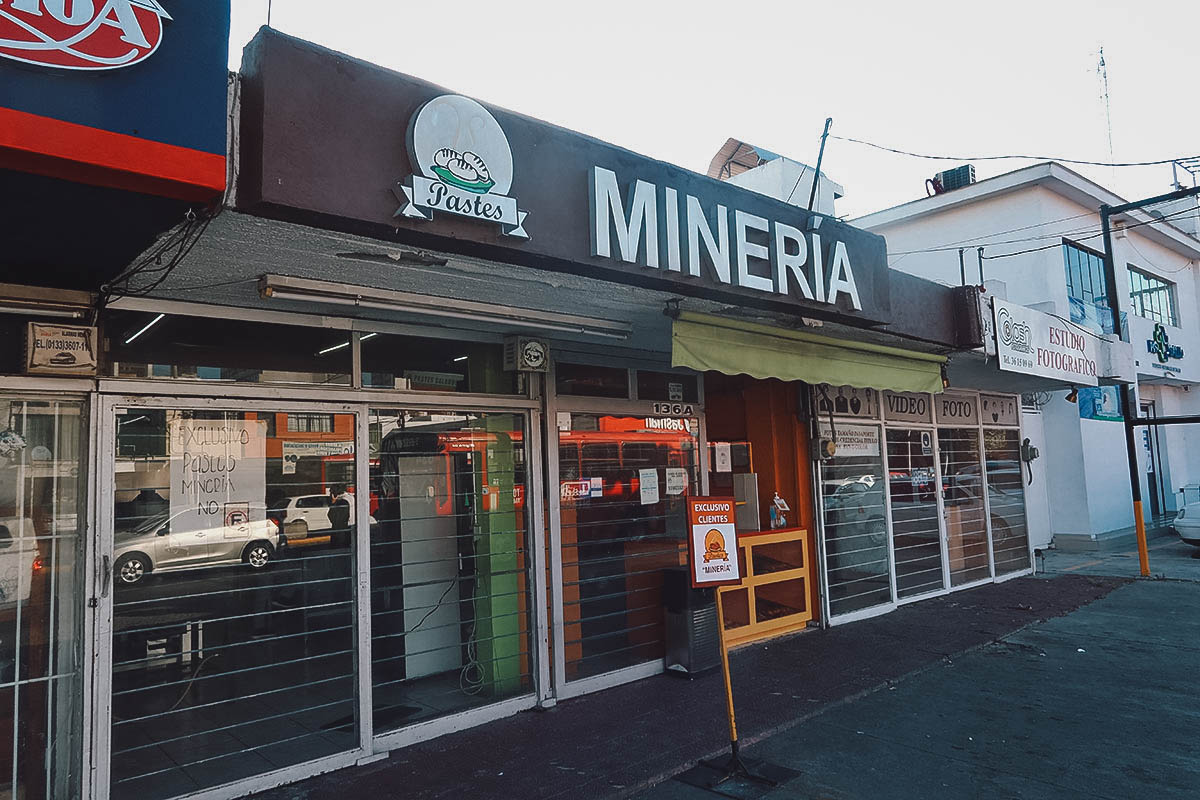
x,y
1096,704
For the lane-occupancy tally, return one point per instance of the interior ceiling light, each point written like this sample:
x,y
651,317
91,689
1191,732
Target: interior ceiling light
x,y
312,291
145,328
346,343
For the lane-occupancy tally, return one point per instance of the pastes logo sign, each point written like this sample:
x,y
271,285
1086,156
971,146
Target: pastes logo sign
x,y
466,166
81,34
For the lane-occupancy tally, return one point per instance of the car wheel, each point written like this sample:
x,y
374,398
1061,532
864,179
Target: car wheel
x,y
299,529
258,555
132,568
1000,529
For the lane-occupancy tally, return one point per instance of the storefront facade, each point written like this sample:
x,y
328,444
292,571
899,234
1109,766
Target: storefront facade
x,y
403,445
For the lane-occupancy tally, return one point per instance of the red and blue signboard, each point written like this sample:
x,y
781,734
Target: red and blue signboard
x,y
129,94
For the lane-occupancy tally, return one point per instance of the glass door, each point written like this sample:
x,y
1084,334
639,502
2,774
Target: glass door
x,y
916,528
622,481
451,608
963,505
233,636
42,524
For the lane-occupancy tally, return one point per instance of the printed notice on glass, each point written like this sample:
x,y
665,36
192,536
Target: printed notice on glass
x,y
853,441
712,541
648,486
677,480
218,473
722,458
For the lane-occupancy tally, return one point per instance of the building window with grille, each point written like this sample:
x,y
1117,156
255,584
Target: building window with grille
x,y
1086,288
310,423
1151,297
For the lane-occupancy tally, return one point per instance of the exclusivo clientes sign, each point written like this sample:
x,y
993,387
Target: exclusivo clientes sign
x,y
1035,343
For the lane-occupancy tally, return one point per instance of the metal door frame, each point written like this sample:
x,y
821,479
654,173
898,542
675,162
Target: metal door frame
x,y
101,455
555,403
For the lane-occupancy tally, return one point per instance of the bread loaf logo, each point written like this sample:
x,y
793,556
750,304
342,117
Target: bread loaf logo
x,y
466,166
81,34
714,546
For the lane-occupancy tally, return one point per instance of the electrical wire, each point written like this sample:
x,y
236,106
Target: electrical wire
x,y
1006,157
1178,214
965,243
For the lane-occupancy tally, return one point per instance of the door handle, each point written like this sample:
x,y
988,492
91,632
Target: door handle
x,y
105,575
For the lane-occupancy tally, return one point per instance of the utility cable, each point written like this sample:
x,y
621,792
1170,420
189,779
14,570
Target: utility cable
x,y
1019,157
1097,234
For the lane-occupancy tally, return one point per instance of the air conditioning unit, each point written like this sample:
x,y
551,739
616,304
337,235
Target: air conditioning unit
x,y
956,178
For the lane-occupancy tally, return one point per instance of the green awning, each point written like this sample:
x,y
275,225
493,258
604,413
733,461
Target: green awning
x,y
703,342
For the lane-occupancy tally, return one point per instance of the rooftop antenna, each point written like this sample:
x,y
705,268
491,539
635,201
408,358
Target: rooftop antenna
x,y
1102,71
268,13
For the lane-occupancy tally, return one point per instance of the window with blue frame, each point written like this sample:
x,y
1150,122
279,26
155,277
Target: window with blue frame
x,y
1151,297
1086,287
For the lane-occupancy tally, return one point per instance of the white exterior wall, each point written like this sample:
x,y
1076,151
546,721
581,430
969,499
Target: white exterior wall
x,y
1085,460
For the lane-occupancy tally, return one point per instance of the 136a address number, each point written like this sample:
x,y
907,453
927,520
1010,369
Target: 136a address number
x,y
674,409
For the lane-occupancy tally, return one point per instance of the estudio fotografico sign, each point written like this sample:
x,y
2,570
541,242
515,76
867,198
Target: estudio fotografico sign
x,y
1034,343
712,541
60,349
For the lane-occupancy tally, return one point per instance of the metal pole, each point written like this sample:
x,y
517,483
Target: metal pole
x,y
1135,482
962,267
812,195
733,736
980,266
1110,270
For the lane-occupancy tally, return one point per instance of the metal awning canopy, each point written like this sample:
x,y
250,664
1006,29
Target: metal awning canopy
x,y
706,342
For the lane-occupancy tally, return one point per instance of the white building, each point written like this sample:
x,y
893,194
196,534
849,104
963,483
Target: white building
x,y
1039,230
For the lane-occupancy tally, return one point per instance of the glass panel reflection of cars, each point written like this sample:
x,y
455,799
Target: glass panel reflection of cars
x,y
165,544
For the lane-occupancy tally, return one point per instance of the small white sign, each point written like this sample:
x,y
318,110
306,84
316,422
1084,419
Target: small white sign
x,y
564,421
677,480
722,458
675,392
853,441
713,548
596,487
218,472
648,486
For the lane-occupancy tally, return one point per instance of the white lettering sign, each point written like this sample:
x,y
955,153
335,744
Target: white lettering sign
x,y
648,486
1036,343
794,266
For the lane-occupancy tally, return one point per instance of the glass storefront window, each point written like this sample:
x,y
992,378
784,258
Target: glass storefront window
x,y
585,380
1006,496
667,386
855,521
450,595
41,597
963,508
916,532
233,597
622,488
438,365
149,345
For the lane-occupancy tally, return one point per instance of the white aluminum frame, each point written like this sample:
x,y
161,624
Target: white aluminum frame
x,y
555,403
932,426
201,396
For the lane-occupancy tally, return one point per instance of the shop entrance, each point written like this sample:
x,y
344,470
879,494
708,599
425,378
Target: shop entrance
x,y
623,480
228,626
287,588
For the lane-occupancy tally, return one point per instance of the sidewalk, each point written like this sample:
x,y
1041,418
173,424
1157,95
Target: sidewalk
x,y
1097,705
617,742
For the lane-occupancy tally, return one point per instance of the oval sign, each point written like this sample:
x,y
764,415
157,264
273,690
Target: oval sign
x,y
81,34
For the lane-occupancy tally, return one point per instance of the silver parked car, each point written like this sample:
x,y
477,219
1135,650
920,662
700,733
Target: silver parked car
x,y
167,544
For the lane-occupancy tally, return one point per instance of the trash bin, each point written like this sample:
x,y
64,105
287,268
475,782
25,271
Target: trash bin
x,y
693,643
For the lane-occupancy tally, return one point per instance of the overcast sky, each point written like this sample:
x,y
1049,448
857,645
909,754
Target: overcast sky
x,y
674,80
